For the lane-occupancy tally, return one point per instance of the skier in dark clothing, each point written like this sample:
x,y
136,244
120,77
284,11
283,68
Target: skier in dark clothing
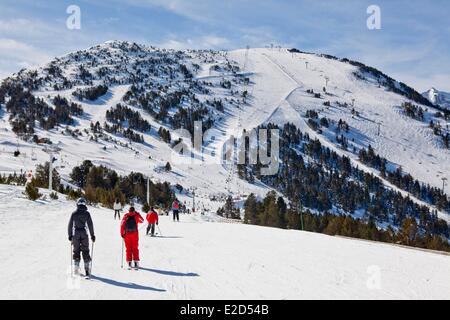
x,y
79,237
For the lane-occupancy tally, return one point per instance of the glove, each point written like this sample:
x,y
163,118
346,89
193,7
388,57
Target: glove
x,y
93,238
70,238
157,223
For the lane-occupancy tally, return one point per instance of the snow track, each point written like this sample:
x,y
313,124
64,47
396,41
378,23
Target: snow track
x,y
195,259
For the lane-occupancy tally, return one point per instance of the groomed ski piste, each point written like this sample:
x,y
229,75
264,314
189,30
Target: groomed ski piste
x,y
198,258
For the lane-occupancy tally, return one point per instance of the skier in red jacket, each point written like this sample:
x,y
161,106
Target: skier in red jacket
x,y
152,219
130,234
176,210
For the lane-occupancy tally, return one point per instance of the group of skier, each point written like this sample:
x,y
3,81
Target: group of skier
x,y
80,222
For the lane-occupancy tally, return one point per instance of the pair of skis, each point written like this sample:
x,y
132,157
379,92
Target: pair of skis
x,y
73,273
85,276
152,235
133,268
129,267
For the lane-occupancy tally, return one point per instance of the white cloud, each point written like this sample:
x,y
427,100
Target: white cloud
x,y
198,10
30,42
204,42
15,55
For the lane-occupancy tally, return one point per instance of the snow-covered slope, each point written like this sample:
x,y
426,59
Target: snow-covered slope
x,y
438,97
277,92
402,140
195,259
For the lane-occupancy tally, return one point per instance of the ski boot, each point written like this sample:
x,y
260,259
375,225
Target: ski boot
x,y
87,269
76,269
136,265
130,266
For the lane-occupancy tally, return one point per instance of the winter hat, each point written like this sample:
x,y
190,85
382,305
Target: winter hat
x,y
132,209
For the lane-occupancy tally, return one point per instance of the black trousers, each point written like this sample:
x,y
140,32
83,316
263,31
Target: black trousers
x,y
176,215
151,228
116,212
80,242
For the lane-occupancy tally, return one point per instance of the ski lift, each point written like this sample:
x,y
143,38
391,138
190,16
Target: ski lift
x,y
17,151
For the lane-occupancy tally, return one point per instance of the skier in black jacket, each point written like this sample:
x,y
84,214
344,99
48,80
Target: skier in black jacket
x,y
78,235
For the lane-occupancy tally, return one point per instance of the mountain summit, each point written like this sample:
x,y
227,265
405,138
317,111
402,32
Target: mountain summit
x,y
438,97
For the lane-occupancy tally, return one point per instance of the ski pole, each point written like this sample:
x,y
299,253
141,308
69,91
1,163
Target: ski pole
x,y
92,255
122,255
71,262
159,230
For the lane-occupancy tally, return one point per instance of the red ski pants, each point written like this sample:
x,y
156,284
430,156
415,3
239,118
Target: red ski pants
x,y
132,245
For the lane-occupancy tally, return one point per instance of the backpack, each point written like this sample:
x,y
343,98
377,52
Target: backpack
x,y
130,224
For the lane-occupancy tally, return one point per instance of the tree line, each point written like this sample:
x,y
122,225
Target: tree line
x,y
120,114
26,110
315,177
98,184
405,181
272,211
104,185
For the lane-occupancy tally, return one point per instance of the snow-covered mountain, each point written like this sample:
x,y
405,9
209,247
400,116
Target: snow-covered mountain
x,y
438,97
119,104
72,103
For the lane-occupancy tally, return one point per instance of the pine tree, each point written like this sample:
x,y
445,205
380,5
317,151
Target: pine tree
x,y
41,177
32,192
229,207
409,231
251,210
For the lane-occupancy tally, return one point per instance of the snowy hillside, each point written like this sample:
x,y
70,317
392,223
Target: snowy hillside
x,y
438,97
195,259
228,91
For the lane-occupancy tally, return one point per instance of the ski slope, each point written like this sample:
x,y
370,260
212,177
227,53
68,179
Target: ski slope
x,y
403,141
277,93
196,259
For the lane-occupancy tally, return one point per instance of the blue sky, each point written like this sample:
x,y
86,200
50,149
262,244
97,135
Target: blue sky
x,y
413,44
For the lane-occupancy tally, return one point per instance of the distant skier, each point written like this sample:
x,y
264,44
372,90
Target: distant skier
x,y
176,210
117,208
152,219
78,235
130,234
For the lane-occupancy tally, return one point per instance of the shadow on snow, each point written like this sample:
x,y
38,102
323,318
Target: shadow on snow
x,y
125,285
171,273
